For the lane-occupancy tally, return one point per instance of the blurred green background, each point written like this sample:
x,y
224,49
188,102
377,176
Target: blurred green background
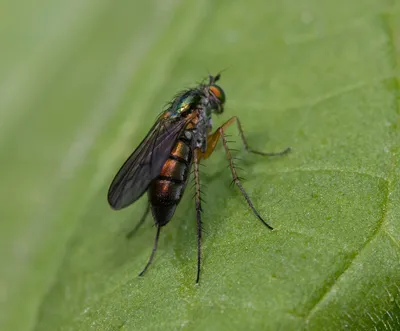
x,y
81,82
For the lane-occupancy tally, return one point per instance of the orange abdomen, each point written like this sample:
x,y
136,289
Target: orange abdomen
x,y
167,189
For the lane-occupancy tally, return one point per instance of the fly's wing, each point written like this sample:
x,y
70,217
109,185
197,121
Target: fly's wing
x,y
144,164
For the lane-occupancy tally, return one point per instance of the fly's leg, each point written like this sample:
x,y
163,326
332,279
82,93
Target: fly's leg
x,y
198,212
153,252
144,216
213,139
236,179
246,145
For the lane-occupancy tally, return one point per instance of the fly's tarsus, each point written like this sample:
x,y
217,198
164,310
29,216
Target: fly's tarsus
x,y
285,151
250,150
153,252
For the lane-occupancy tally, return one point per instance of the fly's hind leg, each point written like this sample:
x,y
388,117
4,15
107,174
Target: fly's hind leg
x,y
144,216
153,252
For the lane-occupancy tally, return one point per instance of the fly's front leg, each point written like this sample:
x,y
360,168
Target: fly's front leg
x,y
212,141
250,150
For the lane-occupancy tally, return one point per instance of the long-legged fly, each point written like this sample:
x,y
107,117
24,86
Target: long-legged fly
x,y
160,165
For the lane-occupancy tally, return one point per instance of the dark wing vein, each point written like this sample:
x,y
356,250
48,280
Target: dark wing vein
x,y
144,164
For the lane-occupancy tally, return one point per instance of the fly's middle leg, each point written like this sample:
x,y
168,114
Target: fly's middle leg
x,y
236,179
198,211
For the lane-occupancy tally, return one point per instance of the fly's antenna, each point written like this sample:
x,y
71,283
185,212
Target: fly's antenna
x,y
214,79
211,79
218,75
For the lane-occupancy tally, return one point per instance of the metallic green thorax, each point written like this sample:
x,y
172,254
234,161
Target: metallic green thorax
x,y
185,103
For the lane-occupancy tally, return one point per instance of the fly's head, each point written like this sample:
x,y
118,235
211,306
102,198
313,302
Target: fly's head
x,y
215,94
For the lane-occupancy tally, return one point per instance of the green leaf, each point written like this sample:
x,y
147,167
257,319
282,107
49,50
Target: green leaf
x,y
81,82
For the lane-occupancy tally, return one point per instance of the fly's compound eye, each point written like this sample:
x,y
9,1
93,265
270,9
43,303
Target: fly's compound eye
x,y
218,93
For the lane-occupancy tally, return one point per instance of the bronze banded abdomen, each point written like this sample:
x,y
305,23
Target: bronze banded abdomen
x,y
167,189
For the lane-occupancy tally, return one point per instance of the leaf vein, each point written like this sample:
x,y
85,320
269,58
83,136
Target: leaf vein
x,y
332,170
389,182
330,288
392,238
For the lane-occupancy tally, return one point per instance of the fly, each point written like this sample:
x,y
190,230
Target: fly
x,y
181,137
